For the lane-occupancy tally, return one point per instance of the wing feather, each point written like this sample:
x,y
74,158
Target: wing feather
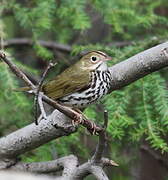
x,y
70,81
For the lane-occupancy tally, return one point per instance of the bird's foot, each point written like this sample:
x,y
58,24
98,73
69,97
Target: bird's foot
x,y
93,128
80,118
77,119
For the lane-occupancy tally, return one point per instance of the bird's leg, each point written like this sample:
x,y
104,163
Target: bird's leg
x,y
78,117
93,125
41,106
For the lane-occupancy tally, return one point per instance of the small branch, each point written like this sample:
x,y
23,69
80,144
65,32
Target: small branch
x,y
47,44
39,86
16,70
108,162
85,169
54,45
50,65
102,141
105,119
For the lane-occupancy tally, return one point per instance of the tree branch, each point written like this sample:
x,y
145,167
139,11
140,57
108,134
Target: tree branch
x,y
36,98
138,66
102,141
29,42
98,172
32,136
53,45
48,166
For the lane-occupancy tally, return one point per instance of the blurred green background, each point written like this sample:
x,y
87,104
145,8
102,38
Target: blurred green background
x,y
35,31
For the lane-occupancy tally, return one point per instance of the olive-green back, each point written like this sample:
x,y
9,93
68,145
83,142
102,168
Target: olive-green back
x,y
69,81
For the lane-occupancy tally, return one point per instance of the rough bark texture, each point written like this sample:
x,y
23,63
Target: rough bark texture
x,y
32,136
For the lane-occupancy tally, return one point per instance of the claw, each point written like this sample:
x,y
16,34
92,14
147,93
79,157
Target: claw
x,y
92,130
78,119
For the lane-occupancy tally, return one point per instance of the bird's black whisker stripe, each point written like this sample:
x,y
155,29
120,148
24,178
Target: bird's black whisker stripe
x,y
98,66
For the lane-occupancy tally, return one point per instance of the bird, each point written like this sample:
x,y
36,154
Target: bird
x,y
83,83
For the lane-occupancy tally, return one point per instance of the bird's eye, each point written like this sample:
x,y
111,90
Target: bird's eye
x,y
94,58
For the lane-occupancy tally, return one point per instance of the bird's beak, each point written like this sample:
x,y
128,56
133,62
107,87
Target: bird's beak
x,y
108,58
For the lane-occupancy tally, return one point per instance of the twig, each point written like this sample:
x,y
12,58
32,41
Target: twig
x,y
39,86
105,119
47,44
54,45
67,111
102,141
16,70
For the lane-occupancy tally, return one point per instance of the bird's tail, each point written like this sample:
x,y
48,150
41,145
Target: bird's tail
x,y
22,89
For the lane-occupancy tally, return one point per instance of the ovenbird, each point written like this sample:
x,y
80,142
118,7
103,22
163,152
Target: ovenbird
x,y
82,83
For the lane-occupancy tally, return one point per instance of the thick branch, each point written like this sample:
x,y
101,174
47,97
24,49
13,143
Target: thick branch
x,y
138,66
33,136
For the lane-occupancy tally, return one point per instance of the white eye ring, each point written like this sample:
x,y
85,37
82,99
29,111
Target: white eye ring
x,y
94,58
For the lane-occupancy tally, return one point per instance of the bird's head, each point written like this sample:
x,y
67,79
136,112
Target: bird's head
x,y
95,60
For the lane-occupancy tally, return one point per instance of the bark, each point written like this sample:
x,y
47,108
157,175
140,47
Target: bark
x,y
32,136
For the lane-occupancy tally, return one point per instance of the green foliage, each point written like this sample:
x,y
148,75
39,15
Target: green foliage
x,y
12,102
135,16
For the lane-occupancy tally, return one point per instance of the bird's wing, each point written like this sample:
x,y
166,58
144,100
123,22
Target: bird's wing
x,y
66,83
